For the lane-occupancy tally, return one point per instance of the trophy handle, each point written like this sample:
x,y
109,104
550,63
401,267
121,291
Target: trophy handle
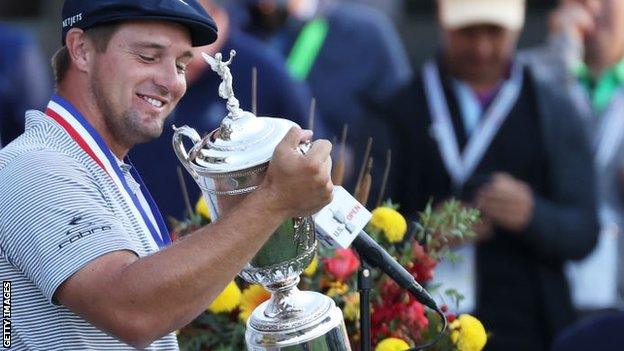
x,y
180,150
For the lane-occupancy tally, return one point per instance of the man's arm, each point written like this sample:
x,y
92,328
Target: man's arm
x,y
141,300
565,223
561,224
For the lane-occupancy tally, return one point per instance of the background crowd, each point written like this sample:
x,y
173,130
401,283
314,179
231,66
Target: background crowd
x,y
518,113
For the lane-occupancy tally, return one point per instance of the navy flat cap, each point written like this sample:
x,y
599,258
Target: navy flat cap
x,y
85,14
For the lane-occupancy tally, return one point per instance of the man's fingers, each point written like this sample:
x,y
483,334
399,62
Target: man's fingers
x,y
582,17
495,212
296,136
320,151
594,7
487,200
575,17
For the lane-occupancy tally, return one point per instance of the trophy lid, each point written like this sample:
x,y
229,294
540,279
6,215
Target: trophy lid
x,y
241,143
243,140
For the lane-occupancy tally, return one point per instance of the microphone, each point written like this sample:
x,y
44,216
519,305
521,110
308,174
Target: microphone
x,y
340,224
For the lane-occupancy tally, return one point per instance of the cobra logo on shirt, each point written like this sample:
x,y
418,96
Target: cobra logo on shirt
x,y
81,230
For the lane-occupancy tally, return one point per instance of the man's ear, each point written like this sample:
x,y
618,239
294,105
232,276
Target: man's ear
x,y
80,49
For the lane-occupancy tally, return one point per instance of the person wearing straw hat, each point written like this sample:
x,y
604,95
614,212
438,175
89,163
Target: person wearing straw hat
x,y
477,125
85,256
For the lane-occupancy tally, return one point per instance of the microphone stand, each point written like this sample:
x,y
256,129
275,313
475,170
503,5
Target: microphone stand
x,y
365,284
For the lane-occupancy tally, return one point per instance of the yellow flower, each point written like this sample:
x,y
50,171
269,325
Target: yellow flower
x,y
252,297
228,300
351,308
392,344
468,333
311,269
337,288
201,208
391,222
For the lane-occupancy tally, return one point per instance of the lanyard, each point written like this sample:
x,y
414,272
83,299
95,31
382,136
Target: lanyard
x,y
461,165
611,132
610,129
93,145
306,48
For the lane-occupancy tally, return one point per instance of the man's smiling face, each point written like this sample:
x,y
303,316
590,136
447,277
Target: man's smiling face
x,y
140,77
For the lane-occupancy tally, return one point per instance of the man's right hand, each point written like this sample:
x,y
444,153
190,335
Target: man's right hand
x,y
576,18
297,184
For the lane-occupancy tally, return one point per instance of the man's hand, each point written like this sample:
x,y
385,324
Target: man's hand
x,y
506,201
577,18
484,229
299,185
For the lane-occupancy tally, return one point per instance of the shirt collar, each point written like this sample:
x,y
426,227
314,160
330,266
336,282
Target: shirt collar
x,y
601,90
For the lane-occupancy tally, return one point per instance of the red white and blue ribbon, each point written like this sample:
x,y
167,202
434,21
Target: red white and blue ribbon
x,y
90,141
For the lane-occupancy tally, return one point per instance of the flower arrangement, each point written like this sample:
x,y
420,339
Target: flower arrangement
x,y
398,320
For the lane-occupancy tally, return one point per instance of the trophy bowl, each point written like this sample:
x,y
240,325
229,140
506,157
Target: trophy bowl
x,y
228,164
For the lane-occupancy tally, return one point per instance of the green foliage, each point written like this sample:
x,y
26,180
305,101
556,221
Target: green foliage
x,y
449,225
438,230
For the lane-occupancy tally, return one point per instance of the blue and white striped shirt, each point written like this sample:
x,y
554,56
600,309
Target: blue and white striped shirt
x,y
58,211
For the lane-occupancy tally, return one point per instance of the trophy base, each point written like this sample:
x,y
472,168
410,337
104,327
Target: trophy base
x,y
315,324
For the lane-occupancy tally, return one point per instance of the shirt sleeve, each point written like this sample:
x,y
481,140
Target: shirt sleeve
x,y
564,224
54,218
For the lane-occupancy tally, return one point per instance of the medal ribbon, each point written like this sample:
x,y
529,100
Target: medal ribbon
x,y
83,133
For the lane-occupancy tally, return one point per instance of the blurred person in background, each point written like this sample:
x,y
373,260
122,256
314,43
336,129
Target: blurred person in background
x,y
24,80
201,107
352,58
584,55
476,124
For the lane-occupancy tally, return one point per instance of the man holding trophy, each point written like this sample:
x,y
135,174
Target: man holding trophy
x,y
82,242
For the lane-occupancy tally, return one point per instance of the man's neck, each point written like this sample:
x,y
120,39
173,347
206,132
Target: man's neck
x,y
85,104
599,64
482,84
484,87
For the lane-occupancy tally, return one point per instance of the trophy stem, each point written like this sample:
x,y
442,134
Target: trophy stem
x,y
282,304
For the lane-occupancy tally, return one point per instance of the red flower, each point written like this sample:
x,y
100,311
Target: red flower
x,y
414,314
391,292
342,264
423,264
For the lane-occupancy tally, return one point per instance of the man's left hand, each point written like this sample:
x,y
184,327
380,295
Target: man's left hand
x,y
508,202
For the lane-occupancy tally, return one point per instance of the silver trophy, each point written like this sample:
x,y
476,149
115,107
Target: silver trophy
x,y
231,162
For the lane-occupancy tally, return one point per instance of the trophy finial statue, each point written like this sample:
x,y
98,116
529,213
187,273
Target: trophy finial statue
x,y
226,90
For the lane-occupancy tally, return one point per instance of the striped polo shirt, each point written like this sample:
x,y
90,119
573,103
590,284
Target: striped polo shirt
x,y
58,211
